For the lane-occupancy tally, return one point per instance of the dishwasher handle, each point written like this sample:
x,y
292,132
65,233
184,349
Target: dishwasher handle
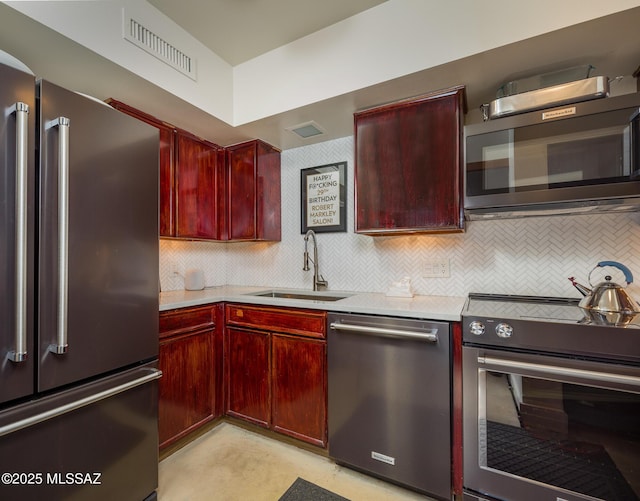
x,y
430,335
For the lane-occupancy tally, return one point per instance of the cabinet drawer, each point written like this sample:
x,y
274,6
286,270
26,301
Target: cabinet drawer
x,y
183,320
311,323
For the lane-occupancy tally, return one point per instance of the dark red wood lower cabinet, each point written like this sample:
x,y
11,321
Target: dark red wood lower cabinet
x,y
276,369
299,388
187,385
247,356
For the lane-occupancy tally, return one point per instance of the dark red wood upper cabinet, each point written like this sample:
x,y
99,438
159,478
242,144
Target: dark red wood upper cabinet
x,y
253,191
408,165
200,187
167,209
212,193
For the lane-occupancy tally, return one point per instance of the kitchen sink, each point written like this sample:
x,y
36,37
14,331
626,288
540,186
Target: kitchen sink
x,y
304,295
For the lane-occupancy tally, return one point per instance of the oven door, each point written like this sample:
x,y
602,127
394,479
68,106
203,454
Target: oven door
x,y
548,428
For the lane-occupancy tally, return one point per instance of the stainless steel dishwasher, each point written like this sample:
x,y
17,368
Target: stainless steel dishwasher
x,y
389,390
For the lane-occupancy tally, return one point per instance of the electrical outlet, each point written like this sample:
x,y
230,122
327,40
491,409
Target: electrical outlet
x,y
436,268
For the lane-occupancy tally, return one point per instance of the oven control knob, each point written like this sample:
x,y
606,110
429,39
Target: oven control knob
x,y
504,330
476,328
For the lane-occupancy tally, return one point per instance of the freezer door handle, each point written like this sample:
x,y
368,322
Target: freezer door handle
x,y
62,123
150,375
430,335
22,133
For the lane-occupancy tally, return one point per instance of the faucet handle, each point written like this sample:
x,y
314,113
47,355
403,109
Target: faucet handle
x,y
322,283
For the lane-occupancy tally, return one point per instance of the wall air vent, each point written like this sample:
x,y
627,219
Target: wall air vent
x,y
306,130
139,35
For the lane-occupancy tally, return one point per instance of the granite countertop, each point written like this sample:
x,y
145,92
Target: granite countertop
x,y
446,308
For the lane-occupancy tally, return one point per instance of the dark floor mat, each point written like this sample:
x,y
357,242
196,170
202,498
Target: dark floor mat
x,y
575,466
301,490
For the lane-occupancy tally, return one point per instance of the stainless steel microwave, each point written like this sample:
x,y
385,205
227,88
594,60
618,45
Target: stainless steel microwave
x,y
571,159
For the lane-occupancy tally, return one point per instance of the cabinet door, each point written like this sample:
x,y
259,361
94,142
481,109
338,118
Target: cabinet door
x,y
167,165
200,185
187,384
248,381
408,165
299,388
254,191
241,161
167,182
268,210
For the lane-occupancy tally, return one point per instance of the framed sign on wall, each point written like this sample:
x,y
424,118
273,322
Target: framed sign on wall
x,y
323,201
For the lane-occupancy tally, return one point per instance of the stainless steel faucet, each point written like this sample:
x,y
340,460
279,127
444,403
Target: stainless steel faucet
x,y
319,283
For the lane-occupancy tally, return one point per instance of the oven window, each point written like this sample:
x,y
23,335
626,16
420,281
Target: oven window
x,y
580,438
592,149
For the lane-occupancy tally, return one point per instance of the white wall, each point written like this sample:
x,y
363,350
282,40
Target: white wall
x,y
525,256
391,40
97,25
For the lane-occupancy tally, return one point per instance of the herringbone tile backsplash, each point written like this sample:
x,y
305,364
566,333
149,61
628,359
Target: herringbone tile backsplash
x,y
532,256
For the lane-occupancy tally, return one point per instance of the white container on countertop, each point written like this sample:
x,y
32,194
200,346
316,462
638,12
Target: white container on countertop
x,y
194,280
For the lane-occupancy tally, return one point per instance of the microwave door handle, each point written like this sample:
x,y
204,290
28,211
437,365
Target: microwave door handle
x,y
553,370
22,165
62,123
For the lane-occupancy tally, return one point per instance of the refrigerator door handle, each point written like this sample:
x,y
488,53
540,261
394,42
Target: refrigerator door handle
x,y
22,165
150,375
61,345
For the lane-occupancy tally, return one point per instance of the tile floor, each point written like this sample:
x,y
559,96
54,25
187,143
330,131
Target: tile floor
x,y
229,463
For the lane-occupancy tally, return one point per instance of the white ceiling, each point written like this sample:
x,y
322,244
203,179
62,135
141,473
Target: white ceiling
x,y
239,30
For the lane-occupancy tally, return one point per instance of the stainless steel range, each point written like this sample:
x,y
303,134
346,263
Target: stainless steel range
x,y
551,401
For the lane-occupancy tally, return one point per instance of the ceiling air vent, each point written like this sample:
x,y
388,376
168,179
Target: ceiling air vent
x,y
139,35
307,129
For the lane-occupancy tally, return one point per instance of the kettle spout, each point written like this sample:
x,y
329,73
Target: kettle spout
x,y
585,291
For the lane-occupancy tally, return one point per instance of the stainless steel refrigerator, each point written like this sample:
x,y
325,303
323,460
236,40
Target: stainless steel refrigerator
x,y
78,296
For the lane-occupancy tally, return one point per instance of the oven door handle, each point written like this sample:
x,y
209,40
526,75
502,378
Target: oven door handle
x,y
604,377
